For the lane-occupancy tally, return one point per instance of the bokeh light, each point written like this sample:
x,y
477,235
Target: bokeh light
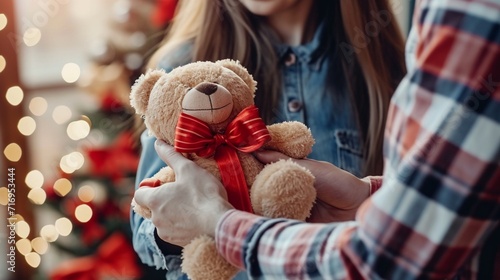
x,y
4,196
72,162
3,63
39,245
13,152
34,179
23,246
37,196
26,126
38,106
64,226
86,193
33,259
78,130
49,233
62,187
70,72
61,114
83,213
32,36
3,21
22,229
14,95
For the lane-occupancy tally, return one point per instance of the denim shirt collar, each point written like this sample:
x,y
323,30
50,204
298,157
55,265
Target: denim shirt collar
x,y
310,53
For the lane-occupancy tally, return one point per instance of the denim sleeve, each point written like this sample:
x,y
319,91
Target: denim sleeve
x,y
143,230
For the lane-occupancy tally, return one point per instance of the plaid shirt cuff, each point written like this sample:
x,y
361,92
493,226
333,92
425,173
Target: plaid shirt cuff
x,y
375,183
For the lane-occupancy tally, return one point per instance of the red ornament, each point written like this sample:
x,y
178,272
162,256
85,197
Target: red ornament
x,y
164,12
115,259
116,160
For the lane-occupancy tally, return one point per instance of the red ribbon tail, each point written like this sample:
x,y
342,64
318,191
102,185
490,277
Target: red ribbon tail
x,y
233,178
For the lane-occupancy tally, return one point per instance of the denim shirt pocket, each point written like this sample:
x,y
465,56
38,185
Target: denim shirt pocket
x,y
349,150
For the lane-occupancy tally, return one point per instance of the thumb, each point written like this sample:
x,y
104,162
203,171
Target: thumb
x,y
144,196
268,156
170,156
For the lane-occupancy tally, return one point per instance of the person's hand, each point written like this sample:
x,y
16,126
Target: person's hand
x,y
339,193
190,206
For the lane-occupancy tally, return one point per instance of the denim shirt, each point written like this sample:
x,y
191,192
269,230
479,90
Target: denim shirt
x,y
326,110
312,96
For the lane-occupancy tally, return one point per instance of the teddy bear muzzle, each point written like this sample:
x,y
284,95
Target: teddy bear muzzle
x,y
208,102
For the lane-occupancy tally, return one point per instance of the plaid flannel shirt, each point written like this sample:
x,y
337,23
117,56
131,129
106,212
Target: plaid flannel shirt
x,y
437,213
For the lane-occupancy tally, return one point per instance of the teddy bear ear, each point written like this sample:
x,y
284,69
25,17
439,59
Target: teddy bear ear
x,y
239,70
139,94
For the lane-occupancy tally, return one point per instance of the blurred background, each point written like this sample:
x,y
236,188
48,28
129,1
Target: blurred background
x,y
68,136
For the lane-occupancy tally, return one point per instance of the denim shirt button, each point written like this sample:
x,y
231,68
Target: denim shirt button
x,y
290,59
294,106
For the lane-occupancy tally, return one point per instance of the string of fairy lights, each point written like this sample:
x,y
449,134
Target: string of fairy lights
x,y
33,249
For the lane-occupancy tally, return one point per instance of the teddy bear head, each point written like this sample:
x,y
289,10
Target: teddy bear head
x,y
213,92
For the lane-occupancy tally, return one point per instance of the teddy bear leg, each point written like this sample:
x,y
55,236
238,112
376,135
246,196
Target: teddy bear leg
x,y
200,260
283,189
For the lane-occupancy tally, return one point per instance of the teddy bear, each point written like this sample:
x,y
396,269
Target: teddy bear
x,y
206,111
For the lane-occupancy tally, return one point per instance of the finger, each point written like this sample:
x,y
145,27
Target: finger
x,y
169,155
267,156
144,196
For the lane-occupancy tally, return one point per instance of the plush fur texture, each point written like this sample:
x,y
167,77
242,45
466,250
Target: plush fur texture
x,y
281,189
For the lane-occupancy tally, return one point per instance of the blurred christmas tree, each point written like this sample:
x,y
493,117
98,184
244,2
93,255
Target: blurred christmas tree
x,y
95,198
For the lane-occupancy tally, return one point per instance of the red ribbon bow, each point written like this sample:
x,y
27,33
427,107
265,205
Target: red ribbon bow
x,y
246,133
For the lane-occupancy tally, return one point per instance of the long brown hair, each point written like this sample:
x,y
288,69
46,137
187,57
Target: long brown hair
x,y
366,39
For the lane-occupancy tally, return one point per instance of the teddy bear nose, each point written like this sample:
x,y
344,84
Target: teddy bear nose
x,y
206,88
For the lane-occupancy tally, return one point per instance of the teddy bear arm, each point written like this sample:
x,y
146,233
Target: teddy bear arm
x,y
291,138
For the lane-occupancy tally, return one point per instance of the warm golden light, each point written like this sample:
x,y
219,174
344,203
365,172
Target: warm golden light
x,y
38,106
49,233
18,218
33,259
23,246
4,196
22,229
62,187
78,130
70,72
32,36
39,245
3,63
14,95
86,193
75,160
83,213
37,196
3,21
61,114
64,226
34,179
65,166
72,162
13,152
26,126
